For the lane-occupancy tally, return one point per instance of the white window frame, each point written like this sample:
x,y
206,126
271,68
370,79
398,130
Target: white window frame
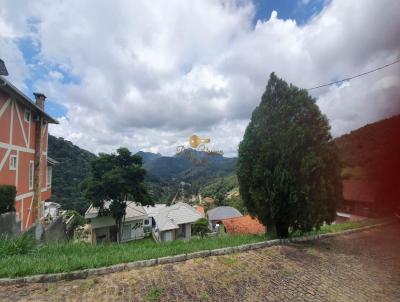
x,y
12,166
27,111
31,173
49,175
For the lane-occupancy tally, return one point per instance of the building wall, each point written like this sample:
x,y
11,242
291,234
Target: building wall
x,y
17,138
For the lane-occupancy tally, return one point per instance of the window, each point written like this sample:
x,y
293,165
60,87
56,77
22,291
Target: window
x,y
49,175
13,162
31,171
27,116
146,222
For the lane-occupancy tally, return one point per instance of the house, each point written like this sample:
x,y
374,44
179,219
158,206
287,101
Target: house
x,y
172,222
136,224
216,215
243,225
24,162
360,198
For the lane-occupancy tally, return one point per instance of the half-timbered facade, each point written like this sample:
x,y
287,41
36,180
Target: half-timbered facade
x,y
23,151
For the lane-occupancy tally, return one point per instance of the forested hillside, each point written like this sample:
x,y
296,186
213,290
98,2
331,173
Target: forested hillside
x,y
72,169
372,146
164,174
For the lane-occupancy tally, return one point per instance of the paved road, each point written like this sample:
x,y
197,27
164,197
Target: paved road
x,y
358,267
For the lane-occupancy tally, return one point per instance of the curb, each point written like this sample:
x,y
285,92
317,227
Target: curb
x,y
82,274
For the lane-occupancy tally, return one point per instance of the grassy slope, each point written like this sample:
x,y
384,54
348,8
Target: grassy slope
x,y
65,257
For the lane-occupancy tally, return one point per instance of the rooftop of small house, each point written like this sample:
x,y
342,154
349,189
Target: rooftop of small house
x,y
133,210
220,213
170,217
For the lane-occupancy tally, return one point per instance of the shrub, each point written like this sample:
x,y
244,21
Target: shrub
x,y
77,220
20,245
7,198
200,227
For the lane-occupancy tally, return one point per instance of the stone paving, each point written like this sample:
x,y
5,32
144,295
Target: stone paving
x,y
362,266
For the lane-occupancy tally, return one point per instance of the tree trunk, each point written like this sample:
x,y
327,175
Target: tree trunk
x,y
270,230
282,230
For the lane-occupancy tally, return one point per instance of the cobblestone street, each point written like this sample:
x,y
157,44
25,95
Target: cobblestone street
x,y
363,266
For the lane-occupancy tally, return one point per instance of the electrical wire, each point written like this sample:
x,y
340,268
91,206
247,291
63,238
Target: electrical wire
x,y
355,76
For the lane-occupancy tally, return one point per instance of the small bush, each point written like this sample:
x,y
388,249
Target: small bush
x,y
200,227
7,198
20,245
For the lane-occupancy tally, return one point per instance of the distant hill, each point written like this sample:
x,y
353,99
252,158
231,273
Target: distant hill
x,y
73,168
164,173
372,145
196,168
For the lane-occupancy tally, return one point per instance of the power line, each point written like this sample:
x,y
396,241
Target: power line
x,y
356,76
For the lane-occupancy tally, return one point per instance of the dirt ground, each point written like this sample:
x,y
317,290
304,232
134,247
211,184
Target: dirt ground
x,y
362,266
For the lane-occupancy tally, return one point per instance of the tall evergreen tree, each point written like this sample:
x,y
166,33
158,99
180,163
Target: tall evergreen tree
x,y
288,167
117,178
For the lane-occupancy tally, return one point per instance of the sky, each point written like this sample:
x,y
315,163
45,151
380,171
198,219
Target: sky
x,y
148,74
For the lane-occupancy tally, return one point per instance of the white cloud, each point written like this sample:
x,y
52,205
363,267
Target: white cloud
x,y
152,73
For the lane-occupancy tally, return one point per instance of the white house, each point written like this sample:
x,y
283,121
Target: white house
x,y
172,222
135,226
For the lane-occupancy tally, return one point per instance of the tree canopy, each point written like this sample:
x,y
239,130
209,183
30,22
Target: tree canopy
x,y
288,166
117,178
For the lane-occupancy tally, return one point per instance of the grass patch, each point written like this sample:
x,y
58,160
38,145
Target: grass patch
x,y
204,296
333,228
24,257
70,256
154,294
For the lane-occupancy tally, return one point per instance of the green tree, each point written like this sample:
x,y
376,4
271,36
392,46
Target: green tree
x,y
117,178
288,167
200,227
7,198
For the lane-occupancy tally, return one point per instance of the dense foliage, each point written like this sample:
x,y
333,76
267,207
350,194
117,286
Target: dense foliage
x,y
7,198
68,174
117,178
200,227
288,167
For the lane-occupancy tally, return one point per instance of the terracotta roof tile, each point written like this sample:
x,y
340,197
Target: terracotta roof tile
x,y
200,209
243,225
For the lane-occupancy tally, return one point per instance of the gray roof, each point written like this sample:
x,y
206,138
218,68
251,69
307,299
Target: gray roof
x,y
220,213
133,211
169,218
153,210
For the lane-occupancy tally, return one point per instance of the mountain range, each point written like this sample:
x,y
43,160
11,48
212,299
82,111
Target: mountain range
x,y
197,171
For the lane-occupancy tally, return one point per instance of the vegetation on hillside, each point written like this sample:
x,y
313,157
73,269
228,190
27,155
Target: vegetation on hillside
x,y
288,167
73,168
372,153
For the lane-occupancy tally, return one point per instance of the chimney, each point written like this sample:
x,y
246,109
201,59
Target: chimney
x,y
40,98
